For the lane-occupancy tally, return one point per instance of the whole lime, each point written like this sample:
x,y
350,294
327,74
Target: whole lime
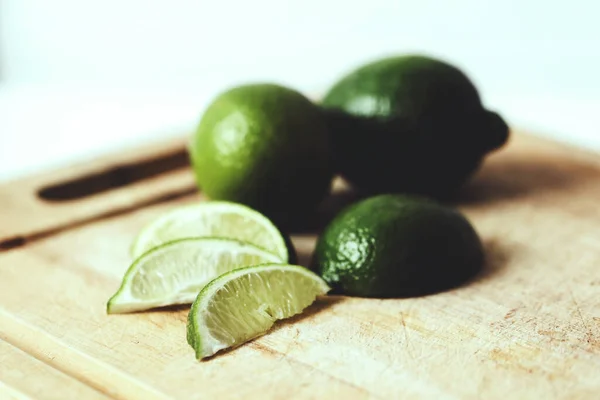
x,y
410,124
413,86
397,246
265,146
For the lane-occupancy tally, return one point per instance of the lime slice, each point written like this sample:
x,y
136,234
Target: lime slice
x,y
175,272
243,304
213,219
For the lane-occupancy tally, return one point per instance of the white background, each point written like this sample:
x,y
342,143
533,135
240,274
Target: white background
x,y
79,77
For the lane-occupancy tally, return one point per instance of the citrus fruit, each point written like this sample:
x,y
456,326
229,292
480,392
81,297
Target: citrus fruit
x,y
265,146
214,219
174,273
243,304
397,246
412,86
410,124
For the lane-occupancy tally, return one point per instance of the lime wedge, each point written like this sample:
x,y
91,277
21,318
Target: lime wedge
x,y
212,219
243,304
174,273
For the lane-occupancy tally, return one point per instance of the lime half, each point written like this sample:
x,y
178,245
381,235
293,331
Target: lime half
x,y
243,304
212,219
175,272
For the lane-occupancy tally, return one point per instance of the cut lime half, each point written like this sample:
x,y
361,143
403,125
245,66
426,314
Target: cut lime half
x,y
243,304
212,219
174,273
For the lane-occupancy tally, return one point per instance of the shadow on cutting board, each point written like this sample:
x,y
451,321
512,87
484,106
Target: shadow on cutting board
x,y
322,303
498,256
175,308
508,177
527,176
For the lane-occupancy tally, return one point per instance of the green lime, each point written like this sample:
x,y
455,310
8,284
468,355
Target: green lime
x,y
243,304
396,246
412,86
265,146
174,273
410,124
210,219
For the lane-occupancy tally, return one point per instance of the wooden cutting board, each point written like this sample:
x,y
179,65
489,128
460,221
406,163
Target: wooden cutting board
x,y
527,328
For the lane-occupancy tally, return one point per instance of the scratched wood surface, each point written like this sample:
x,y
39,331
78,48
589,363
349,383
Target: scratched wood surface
x,y
527,327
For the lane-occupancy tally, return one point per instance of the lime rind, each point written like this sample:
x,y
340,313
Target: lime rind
x,y
178,252
204,341
183,218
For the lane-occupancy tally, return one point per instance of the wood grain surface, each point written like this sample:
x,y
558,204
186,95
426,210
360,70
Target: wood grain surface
x,y
25,377
528,327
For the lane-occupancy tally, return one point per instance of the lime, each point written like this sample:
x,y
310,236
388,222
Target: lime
x,y
409,124
214,219
412,86
265,146
243,304
174,273
396,246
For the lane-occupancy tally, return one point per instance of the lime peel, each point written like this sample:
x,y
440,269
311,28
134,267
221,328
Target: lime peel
x,y
212,219
175,272
244,304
